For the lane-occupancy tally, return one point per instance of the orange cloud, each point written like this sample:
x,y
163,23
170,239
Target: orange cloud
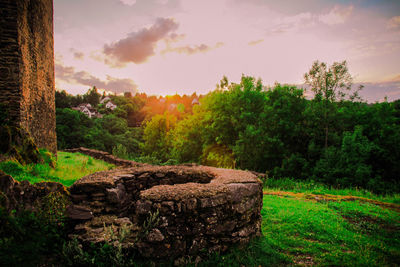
x,y
137,47
394,23
255,42
189,50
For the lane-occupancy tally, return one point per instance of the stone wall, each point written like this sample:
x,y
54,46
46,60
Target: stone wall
x,y
105,156
27,67
18,196
191,210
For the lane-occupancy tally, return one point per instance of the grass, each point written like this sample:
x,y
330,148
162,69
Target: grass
x,y
69,168
332,233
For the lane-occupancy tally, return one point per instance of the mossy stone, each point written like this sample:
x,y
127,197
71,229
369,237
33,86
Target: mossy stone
x,y
19,144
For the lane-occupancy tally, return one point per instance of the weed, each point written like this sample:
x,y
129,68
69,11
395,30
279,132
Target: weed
x,y
151,222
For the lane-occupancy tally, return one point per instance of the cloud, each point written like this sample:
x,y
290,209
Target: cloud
x,y
377,91
79,55
189,50
337,15
128,2
394,23
290,23
162,2
138,46
255,42
69,75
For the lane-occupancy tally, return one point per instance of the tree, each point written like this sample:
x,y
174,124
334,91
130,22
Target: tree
x,y
92,96
157,137
330,85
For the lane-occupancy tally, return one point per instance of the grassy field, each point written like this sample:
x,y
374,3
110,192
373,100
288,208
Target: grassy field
x,y
69,168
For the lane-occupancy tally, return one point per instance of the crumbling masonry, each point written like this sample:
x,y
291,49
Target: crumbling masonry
x,y
27,68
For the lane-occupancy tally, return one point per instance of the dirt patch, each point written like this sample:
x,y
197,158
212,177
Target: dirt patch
x,y
327,197
303,260
368,223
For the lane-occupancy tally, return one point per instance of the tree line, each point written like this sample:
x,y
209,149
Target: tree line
x,y
334,138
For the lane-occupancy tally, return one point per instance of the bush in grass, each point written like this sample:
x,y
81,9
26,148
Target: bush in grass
x,y
120,151
48,158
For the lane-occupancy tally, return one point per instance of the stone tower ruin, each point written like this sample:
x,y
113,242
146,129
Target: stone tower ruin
x,y
27,68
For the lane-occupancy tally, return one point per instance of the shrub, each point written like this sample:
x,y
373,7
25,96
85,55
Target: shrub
x,y
120,151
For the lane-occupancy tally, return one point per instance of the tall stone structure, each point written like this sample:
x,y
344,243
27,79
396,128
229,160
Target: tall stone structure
x,y
27,67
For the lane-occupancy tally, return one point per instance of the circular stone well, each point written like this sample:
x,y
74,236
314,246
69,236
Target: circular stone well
x,y
168,211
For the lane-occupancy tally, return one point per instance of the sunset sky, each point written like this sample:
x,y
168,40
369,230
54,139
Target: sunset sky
x,y
182,46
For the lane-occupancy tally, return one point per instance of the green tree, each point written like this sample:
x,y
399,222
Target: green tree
x,y
329,85
347,165
157,137
92,97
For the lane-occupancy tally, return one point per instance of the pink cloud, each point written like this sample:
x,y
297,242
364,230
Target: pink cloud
x,y
128,2
338,15
69,75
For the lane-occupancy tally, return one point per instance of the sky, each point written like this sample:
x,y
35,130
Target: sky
x,y
163,47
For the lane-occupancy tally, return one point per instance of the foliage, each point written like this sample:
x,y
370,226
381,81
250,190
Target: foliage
x,y
218,156
157,137
347,164
107,254
120,151
29,238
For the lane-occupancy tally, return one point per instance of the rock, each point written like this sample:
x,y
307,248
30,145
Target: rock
x,y
244,206
155,236
160,175
168,204
143,207
239,191
76,212
78,198
191,204
212,201
116,195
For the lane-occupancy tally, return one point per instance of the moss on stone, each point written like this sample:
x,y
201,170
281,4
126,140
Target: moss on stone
x,y
18,144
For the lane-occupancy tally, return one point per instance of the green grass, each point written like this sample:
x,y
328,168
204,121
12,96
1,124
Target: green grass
x,y
332,233
69,168
312,187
